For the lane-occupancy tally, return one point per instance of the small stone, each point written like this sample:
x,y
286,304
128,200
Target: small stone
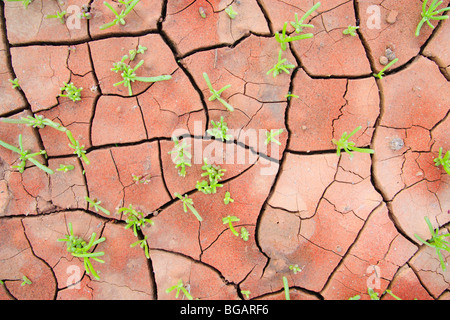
x,y
390,54
397,144
384,60
392,17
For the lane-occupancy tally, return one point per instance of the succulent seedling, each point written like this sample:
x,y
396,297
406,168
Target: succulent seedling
x,y
58,15
26,156
15,83
270,136
295,268
25,2
143,244
188,203
280,66
37,121
79,149
129,76
227,199
229,220
437,242
351,30
96,205
215,174
443,161
349,146
283,39
231,13
246,293
71,92
141,179
80,249
286,288
244,234
120,17
180,287
25,281
299,24
380,74
182,158
135,219
216,93
431,13
65,167
219,130
134,52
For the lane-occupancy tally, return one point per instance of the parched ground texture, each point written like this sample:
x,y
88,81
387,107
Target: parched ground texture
x,y
349,224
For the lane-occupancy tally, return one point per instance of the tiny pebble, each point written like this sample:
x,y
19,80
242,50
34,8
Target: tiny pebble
x,y
392,17
390,54
384,60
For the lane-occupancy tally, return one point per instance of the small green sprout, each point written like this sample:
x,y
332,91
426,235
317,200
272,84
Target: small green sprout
x,y
351,30
129,74
65,168
244,234
80,249
143,244
349,146
380,74
372,294
219,130
393,295
141,179
229,220
26,156
215,174
299,24
283,38
246,293
227,199
134,219
79,149
295,268
216,93
443,161
180,287
71,92
134,52
182,158
291,95
58,15
96,205
15,83
430,14
25,2
202,12
25,281
120,17
437,241
37,121
231,13
270,136
188,203
280,66
286,288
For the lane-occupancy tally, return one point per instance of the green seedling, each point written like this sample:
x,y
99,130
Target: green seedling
x,y
15,83
295,268
393,295
299,24
286,288
65,168
80,249
134,52
202,12
215,174
143,244
231,13
37,121
25,2
58,15
227,199
25,281
380,74
431,13
291,95
246,293
443,161
283,39
351,30
135,219
71,92
79,149
180,287
229,220
437,241
216,93
96,205
270,136
141,179
188,203
244,234
219,130
120,17
182,158
280,66
26,156
129,74
349,146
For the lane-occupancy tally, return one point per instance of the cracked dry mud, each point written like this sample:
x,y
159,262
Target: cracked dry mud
x,y
347,223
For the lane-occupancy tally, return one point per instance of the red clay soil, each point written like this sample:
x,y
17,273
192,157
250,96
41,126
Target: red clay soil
x,y
348,224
